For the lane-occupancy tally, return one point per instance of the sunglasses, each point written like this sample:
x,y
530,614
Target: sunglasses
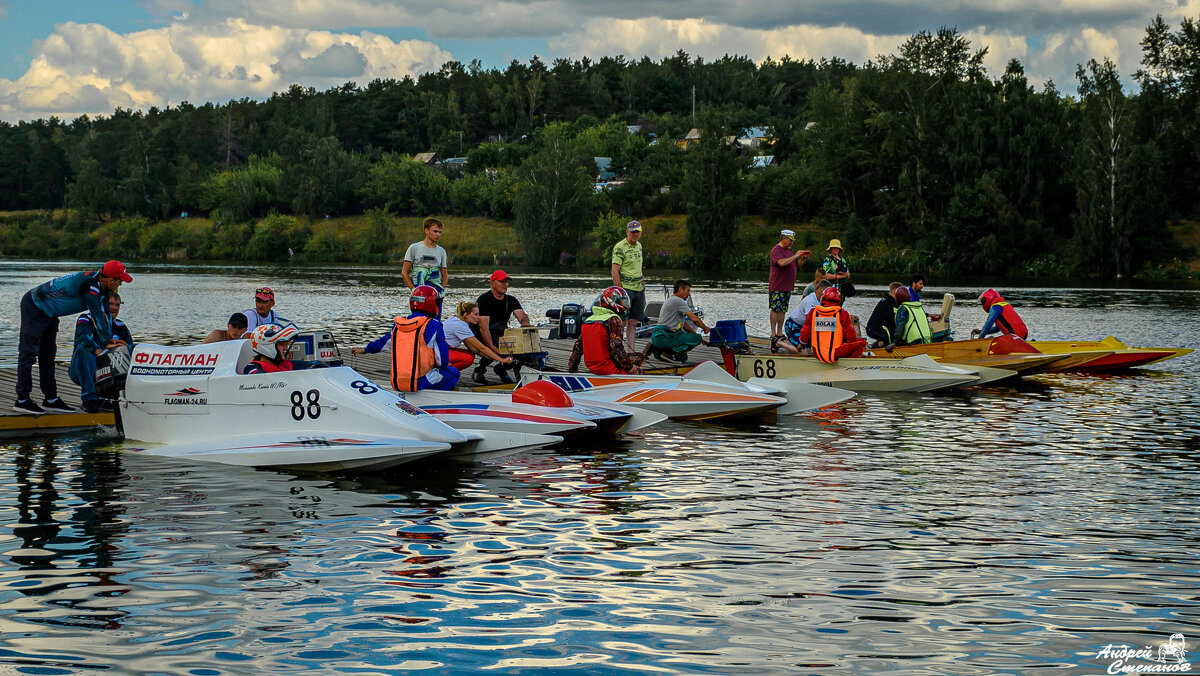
x,y
266,289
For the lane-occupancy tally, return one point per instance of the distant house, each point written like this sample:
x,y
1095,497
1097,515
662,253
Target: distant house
x,y
633,128
692,139
454,163
809,126
753,138
603,172
428,159
761,161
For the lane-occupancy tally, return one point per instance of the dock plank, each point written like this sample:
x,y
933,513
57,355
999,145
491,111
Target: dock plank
x,y
14,424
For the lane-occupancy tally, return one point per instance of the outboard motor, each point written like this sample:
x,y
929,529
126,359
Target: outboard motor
x,y
112,370
569,319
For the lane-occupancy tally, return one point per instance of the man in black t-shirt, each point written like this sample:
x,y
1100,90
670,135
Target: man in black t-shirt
x,y
495,309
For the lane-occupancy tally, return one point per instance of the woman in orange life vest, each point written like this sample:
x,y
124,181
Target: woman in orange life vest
x,y
829,330
420,356
601,342
272,344
1002,318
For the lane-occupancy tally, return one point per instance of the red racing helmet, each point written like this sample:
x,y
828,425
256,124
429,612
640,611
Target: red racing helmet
x,y
616,299
424,299
831,295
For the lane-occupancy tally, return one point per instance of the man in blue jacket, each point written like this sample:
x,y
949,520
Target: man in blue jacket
x,y
41,307
88,348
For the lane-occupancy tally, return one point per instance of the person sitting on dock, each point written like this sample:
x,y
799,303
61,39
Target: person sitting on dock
x,y
90,344
796,319
912,324
883,317
272,345
1002,317
41,307
235,329
496,307
420,355
601,342
830,330
675,334
263,311
462,341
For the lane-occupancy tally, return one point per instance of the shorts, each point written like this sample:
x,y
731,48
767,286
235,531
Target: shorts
x,y
637,304
791,330
778,300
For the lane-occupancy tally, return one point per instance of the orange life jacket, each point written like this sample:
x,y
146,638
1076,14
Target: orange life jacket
x,y
411,356
826,332
596,354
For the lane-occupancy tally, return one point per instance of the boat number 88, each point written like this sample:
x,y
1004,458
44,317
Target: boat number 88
x,y
306,403
759,371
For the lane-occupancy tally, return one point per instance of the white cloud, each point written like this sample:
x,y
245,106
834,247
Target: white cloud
x,y
87,68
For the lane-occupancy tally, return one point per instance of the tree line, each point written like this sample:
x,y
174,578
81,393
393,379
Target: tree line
x,y
918,156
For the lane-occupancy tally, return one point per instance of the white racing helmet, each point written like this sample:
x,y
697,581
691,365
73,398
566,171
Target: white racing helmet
x,y
265,339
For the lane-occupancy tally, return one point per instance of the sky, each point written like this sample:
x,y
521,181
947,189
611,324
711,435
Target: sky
x,y
71,57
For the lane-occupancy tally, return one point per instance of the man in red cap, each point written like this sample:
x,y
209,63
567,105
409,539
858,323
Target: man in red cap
x,y
41,307
262,312
495,309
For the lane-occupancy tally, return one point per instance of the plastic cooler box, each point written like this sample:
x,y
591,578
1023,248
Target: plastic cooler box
x,y
728,332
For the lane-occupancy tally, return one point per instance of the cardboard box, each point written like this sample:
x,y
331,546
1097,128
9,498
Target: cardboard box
x,y
520,340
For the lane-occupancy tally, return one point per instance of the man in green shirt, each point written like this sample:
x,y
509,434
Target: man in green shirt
x,y
627,274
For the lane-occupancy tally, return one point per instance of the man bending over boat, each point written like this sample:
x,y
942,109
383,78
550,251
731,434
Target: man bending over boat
x,y
1002,318
830,331
675,334
272,345
420,355
601,342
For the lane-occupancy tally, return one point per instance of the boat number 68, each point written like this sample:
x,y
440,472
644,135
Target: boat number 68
x,y
299,407
759,371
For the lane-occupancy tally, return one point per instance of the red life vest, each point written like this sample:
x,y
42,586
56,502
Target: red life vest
x,y
596,354
1009,321
267,366
826,332
411,356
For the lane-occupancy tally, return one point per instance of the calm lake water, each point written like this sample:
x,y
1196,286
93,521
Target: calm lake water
x,y
1010,529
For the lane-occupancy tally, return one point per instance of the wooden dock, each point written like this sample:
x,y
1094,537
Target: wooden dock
x,y
13,424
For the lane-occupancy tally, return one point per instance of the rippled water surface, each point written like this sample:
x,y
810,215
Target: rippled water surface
x,y
997,530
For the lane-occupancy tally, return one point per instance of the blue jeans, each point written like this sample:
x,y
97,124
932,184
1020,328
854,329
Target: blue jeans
x,y
38,342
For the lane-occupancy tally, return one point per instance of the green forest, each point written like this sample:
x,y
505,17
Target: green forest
x,y
918,160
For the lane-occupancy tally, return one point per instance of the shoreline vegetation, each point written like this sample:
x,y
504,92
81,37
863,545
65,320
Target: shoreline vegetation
x,y
919,161
382,238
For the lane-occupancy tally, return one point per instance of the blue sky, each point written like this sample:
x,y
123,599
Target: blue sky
x,y
69,57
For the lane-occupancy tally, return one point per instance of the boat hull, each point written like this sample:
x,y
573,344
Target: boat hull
x,y
866,374
1109,354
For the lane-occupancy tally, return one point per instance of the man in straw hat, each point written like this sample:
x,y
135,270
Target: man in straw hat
x,y
782,280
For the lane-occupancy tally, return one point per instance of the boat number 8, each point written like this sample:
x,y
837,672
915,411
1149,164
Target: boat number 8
x,y
759,371
313,407
364,387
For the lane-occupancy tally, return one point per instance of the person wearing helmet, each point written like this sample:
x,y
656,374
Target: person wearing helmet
x,y
272,345
1002,317
41,307
912,324
420,355
601,342
830,331
837,270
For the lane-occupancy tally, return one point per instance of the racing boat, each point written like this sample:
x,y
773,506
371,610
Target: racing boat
x,y
193,402
1004,352
918,373
706,393
1109,354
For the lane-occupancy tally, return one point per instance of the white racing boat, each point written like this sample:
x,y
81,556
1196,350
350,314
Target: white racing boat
x,y
918,373
523,409
193,402
706,393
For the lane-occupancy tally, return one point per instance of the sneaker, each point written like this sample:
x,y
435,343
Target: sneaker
x,y
681,357
91,407
503,375
56,405
480,376
27,406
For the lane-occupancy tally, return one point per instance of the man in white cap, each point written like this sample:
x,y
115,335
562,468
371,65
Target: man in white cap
x,y
782,280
